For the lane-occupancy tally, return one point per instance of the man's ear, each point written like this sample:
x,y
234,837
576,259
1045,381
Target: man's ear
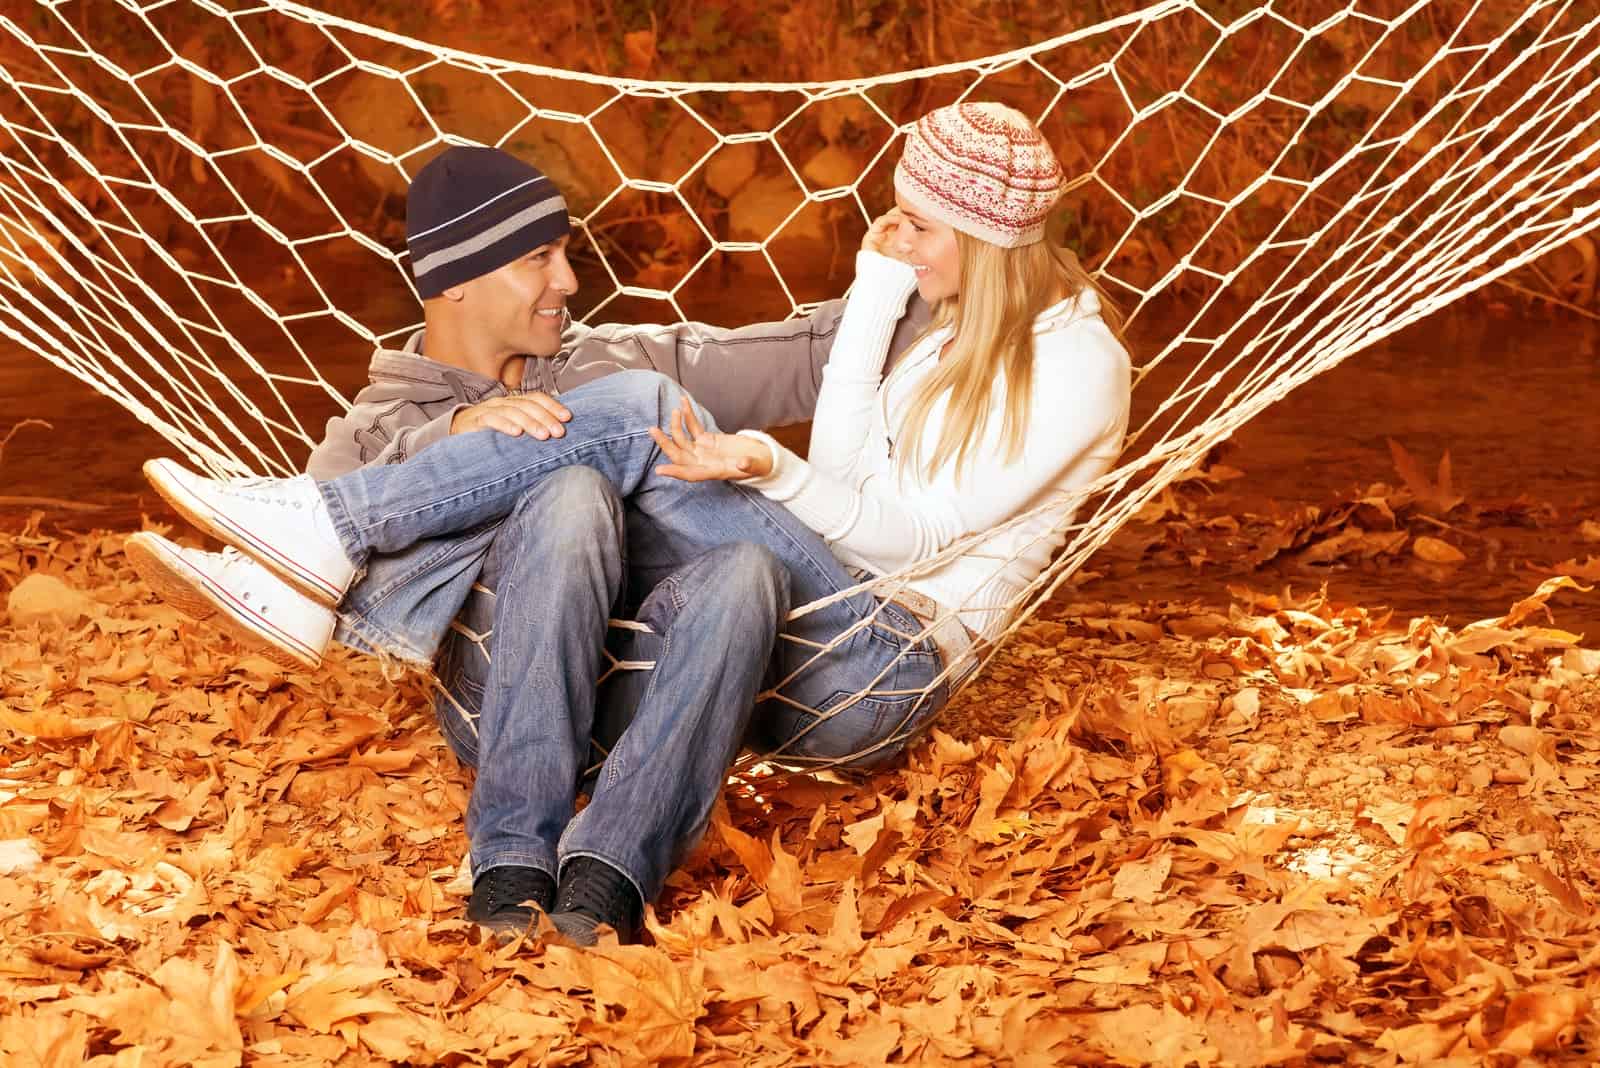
x,y
455,294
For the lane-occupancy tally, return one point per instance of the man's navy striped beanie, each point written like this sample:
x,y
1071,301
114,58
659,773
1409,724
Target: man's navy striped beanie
x,y
472,210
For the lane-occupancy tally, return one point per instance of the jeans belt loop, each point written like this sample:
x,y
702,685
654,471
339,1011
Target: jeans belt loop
x,y
954,640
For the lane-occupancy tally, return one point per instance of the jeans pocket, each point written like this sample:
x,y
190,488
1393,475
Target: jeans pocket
x,y
897,629
853,729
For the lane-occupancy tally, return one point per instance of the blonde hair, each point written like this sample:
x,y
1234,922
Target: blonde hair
x,y
1002,292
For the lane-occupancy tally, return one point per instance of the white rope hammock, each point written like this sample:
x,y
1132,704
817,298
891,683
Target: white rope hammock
x,y
195,254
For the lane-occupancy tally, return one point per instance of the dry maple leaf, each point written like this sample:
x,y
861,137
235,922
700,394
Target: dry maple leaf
x,y
201,1007
645,1004
1082,886
1538,1020
1535,602
333,998
1588,571
45,1038
1438,495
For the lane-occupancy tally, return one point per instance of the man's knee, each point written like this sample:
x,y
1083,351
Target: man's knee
x,y
741,585
574,508
583,487
746,570
575,497
654,395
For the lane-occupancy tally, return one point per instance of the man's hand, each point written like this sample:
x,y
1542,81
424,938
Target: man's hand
x,y
536,414
698,456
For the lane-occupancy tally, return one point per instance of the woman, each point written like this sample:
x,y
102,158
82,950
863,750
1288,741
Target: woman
x,y
1016,397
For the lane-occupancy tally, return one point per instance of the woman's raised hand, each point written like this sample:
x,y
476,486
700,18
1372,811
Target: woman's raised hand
x,y
879,237
699,456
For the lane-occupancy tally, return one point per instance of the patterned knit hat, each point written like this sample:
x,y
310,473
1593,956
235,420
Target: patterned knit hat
x,y
983,169
472,210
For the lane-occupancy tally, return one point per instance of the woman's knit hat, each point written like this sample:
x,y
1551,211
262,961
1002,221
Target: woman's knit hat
x,y
983,169
472,210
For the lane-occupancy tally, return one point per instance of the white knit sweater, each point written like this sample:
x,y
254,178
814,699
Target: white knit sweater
x,y
872,517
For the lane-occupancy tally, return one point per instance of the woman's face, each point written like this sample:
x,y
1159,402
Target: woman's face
x,y
930,247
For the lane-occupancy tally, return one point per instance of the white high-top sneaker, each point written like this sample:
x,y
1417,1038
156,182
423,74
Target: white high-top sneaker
x,y
281,522
238,595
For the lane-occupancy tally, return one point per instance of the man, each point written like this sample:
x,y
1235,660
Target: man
x,y
513,613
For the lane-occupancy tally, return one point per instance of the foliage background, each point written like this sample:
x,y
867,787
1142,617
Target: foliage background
x,y
746,192
1238,827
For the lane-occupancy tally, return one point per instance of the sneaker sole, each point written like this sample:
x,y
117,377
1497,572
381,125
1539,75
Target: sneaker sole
x,y
504,935
196,596
577,929
504,930
208,519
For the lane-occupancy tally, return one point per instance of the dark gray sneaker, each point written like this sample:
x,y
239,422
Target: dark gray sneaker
x,y
592,893
500,901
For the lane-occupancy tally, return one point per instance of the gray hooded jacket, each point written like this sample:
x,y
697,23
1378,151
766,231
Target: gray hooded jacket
x,y
758,376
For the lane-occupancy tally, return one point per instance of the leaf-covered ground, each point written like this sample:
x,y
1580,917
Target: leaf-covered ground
x,y
1254,827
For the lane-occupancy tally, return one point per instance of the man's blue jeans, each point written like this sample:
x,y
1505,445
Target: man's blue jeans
x,y
850,681
521,707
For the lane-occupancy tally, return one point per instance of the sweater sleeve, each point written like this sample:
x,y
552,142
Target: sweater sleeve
x,y
375,433
854,372
1080,406
751,376
765,374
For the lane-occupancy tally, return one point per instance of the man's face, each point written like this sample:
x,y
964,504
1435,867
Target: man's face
x,y
521,306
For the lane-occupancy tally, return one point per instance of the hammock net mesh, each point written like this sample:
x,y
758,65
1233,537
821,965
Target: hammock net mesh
x,y
198,199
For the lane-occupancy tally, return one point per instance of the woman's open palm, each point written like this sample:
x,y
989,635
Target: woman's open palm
x,y
697,455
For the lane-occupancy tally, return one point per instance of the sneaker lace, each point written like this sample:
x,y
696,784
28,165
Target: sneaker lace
x,y
510,887
264,489
231,559
600,892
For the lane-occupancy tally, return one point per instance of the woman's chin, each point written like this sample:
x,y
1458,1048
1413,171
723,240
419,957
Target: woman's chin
x,y
932,290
